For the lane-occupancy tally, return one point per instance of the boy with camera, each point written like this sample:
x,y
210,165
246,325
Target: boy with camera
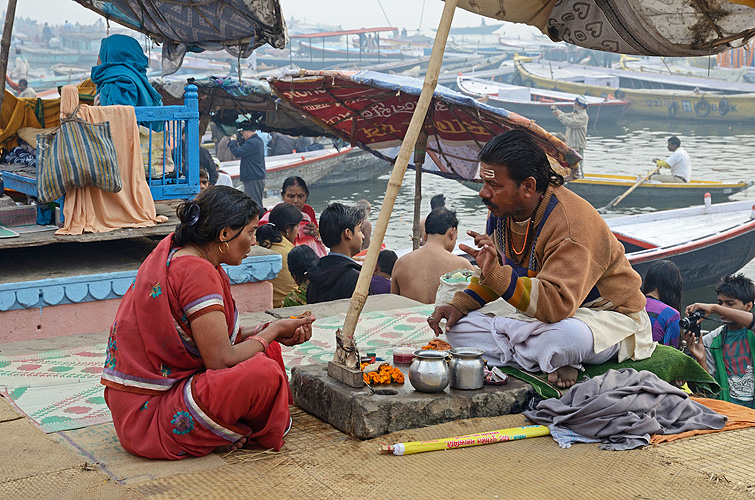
x,y
728,352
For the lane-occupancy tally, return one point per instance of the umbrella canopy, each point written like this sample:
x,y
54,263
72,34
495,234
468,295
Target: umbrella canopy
x,y
228,96
373,110
641,27
238,26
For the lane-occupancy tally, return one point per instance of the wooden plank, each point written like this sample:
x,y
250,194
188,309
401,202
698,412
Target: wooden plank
x,y
352,378
42,238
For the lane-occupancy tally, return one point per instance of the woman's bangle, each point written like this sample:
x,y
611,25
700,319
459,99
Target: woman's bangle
x,y
262,341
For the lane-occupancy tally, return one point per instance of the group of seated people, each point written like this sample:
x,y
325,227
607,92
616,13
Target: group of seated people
x,y
318,259
184,377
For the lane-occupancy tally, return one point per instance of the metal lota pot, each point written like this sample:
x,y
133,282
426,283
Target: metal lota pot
x,y
467,368
429,371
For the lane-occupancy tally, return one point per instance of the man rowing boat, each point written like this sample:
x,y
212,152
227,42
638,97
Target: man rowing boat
x,y
551,255
678,162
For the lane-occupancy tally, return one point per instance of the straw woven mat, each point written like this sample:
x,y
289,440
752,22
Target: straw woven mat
x,y
33,466
725,456
99,444
318,462
7,412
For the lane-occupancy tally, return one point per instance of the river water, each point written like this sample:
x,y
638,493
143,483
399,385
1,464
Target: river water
x,y
721,153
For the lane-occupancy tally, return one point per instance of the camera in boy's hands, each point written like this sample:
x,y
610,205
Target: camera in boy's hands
x,y
691,323
240,139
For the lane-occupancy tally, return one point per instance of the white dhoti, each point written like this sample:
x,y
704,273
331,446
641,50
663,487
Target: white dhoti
x,y
521,341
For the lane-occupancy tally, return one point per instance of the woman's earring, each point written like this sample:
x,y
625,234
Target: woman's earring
x,y
220,247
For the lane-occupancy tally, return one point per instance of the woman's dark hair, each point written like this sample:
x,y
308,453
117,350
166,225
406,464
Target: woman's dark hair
x,y
217,207
294,181
335,219
300,260
522,156
282,217
665,277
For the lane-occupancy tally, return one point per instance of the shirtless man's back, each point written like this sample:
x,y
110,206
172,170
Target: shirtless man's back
x,y
416,275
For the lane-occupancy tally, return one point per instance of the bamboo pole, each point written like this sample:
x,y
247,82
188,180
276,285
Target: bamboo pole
x,y
399,170
10,16
419,160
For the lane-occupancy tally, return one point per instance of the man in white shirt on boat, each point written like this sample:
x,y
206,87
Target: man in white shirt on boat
x,y
678,162
576,129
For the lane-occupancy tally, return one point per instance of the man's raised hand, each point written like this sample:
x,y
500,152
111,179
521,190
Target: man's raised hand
x,y
486,257
481,240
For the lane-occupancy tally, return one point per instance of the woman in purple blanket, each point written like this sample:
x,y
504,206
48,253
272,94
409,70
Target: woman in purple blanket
x,y
662,286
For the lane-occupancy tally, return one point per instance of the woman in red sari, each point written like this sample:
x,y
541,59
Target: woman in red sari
x,y
295,192
183,377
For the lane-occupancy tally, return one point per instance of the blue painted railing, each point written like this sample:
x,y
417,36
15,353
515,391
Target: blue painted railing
x,y
180,126
178,182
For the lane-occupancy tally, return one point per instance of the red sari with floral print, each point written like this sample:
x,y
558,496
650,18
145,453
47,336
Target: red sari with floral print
x,y
165,404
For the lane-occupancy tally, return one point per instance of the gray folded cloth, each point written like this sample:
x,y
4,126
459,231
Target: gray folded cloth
x,y
623,408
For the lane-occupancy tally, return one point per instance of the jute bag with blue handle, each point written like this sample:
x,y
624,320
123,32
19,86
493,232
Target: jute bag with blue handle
x,y
76,154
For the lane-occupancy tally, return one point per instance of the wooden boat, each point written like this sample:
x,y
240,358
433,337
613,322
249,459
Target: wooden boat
x,y
650,95
600,189
536,104
321,168
68,70
705,242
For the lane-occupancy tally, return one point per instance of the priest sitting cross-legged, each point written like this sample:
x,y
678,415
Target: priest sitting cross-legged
x,y
550,254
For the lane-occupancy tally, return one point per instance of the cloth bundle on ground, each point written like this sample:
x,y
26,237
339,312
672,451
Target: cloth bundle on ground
x,y
121,76
77,154
21,156
666,362
622,408
93,210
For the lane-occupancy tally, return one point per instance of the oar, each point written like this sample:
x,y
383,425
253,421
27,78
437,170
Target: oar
x,y
616,200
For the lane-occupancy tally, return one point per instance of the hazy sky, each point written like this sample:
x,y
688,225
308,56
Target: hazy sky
x,y
349,14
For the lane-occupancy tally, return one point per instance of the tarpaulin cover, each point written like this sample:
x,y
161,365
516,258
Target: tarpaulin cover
x,y
238,26
373,110
252,98
641,27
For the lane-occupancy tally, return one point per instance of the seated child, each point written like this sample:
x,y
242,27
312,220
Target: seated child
x,y
300,260
335,275
381,278
727,353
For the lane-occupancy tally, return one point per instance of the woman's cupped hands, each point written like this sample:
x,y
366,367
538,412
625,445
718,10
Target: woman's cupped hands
x,y
293,331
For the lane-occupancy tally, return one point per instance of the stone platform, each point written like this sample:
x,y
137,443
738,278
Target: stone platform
x,y
363,415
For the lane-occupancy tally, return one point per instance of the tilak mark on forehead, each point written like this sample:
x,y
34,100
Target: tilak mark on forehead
x,y
486,173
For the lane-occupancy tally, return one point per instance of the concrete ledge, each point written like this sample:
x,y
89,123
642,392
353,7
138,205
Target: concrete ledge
x,y
105,286
364,415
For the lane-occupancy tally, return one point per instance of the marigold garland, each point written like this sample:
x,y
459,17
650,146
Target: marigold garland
x,y
385,375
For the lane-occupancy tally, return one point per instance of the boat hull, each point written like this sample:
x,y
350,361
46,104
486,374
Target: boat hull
x,y
541,112
702,263
600,190
332,167
659,104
